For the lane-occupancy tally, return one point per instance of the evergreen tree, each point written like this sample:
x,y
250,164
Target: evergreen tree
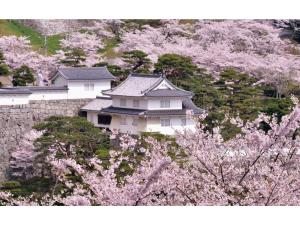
x,y
23,76
4,70
137,61
173,65
74,58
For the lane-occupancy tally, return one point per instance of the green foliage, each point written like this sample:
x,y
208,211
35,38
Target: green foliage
x,y
74,57
277,107
72,131
173,65
37,40
109,48
103,154
4,70
12,186
118,72
23,76
233,94
137,61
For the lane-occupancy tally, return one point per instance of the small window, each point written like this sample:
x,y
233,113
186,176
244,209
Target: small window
x,y
165,122
136,103
183,122
123,121
135,122
86,87
83,114
104,119
91,87
164,103
122,102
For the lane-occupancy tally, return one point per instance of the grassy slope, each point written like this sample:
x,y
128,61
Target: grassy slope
x,y
12,27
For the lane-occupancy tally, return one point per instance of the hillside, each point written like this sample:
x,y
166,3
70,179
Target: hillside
x,y
237,67
37,40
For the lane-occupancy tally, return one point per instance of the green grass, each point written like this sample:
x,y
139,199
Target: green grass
x,y
13,27
109,50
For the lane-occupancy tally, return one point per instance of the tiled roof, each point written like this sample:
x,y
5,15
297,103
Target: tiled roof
x,y
171,112
189,104
186,106
85,73
13,91
135,85
144,85
125,111
30,89
97,104
45,88
168,93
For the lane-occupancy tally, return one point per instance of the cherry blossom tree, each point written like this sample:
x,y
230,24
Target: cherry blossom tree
x,y
17,52
257,167
249,45
88,43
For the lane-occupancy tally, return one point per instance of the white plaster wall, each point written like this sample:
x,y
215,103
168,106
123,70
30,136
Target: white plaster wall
x,y
154,103
128,128
154,125
48,95
93,118
60,81
14,99
129,102
76,89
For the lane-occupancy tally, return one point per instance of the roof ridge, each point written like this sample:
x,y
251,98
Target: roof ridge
x,y
87,68
145,75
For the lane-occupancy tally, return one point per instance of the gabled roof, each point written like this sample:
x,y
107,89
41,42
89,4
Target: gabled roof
x,y
144,85
85,73
97,104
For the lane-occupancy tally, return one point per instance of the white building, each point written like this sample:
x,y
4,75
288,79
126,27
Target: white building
x,y
144,103
68,83
13,96
83,82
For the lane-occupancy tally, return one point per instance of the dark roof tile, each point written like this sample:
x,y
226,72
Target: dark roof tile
x,y
168,93
86,73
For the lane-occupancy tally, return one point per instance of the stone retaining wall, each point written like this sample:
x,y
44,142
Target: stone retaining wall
x,y
16,120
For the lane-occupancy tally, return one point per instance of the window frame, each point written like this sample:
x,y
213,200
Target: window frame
x,y
123,121
163,104
123,102
136,103
89,86
163,124
183,123
135,122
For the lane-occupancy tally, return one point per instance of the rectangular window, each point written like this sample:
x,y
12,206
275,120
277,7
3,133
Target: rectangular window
x,y
183,122
136,103
86,87
123,121
164,103
122,102
104,119
165,122
135,122
89,87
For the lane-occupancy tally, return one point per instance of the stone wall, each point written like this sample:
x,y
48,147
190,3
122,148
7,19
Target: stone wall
x,y
16,120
